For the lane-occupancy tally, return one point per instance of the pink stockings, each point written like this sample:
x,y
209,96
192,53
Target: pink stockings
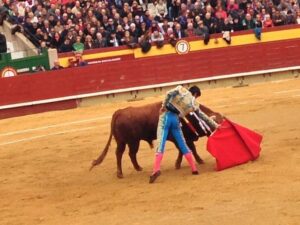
x,y
159,156
190,160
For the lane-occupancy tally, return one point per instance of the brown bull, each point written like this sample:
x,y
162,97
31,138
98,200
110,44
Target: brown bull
x,y
131,125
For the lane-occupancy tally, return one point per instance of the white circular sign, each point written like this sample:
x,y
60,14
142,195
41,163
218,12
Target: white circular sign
x,y
182,47
8,72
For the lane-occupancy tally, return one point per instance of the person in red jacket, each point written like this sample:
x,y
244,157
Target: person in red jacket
x,y
268,21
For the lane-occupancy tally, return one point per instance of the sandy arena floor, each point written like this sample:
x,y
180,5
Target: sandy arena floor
x,y
44,162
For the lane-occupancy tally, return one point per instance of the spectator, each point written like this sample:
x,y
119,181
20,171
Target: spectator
x,y
268,22
89,43
46,27
145,42
103,32
79,60
54,21
178,32
157,38
221,13
43,47
290,18
112,40
209,22
3,44
56,66
66,46
278,19
248,22
78,46
125,23
226,30
3,13
182,19
137,22
76,8
56,41
174,9
120,33
258,27
100,42
190,31
46,39
111,26
201,29
160,10
128,40
144,28
165,26
147,19
134,32
196,21
298,17
263,14
237,25
170,37
219,23
232,5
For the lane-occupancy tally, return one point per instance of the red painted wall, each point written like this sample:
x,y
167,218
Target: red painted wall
x,y
21,111
146,71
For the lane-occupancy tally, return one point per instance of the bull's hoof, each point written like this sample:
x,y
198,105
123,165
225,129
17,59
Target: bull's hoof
x,y
139,168
120,175
177,165
200,161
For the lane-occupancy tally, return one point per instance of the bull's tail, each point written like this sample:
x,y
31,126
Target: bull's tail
x,y
104,152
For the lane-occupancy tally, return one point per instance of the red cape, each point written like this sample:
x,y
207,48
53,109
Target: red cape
x,y
232,144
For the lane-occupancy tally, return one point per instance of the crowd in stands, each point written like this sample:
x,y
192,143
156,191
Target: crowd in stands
x,y
70,25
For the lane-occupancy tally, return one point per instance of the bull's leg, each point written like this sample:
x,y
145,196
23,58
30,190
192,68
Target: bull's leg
x,y
119,153
194,151
133,149
179,157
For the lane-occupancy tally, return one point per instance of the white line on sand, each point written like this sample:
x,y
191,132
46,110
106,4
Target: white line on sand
x,y
94,119
54,125
47,135
286,91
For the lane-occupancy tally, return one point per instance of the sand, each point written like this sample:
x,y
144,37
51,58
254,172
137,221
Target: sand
x,y
44,162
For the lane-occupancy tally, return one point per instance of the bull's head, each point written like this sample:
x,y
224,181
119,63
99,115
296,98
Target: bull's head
x,y
199,127
217,117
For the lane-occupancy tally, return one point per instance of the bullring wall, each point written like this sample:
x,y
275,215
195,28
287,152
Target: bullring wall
x,y
129,72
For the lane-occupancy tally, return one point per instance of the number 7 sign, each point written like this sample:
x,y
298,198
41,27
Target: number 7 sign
x,y
182,47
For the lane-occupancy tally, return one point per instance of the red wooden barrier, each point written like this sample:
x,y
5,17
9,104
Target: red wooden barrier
x,y
147,71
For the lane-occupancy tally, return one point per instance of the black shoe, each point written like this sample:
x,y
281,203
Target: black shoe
x,y
195,172
154,176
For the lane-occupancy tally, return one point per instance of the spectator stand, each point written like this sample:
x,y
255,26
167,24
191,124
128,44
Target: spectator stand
x,y
196,44
93,24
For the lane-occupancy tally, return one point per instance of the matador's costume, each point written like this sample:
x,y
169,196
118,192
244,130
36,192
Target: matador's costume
x,y
178,102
